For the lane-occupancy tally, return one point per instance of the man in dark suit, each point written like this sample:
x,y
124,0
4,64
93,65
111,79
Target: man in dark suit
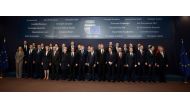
x,y
110,61
64,63
25,47
116,48
161,63
42,47
38,60
130,65
91,63
72,45
30,61
73,62
125,49
82,59
55,60
119,66
140,63
101,63
25,64
150,63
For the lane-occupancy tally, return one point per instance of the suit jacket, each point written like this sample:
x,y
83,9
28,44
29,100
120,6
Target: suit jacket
x,y
101,57
140,57
30,56
120,61
150,58
111,58
82,57
73,59
130,59
38,56
25,52
46,59
55,58
160,60
92,59
64,60
25,49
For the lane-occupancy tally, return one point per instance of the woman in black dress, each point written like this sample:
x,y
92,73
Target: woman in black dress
x,y
46,62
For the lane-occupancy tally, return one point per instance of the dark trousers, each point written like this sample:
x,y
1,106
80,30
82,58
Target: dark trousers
x,y
25,72
110,72
29,69
38,70
81,74
64,72
55,72
151,74
161,73
140,74
131,73
119,73
101,72
91,72
72,72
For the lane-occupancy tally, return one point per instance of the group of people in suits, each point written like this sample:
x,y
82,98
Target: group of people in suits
x,y
111,63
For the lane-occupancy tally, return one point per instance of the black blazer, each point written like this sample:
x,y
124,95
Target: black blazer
x,y
46,59
82,57
38,56
55,59
150,58
73,59
101,57
64,59
160,60
130,59
120,61
30,57
91,59
140,57
111,58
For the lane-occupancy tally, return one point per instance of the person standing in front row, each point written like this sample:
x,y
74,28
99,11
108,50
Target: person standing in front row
x,y
64,63
140,57
130,65
46,62
19,62
55,60
110,61
161,63
119,76
73,64
91,63
150,62
101,63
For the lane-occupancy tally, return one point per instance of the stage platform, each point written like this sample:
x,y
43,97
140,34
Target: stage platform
x,y
10,84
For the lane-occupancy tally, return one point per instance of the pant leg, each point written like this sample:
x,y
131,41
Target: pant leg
x,y
20,69
17,70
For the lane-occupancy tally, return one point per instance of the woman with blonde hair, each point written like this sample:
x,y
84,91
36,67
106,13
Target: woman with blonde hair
x,y
19,62
46,62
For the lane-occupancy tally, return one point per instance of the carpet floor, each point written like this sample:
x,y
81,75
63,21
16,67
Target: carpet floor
x,y
37,85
